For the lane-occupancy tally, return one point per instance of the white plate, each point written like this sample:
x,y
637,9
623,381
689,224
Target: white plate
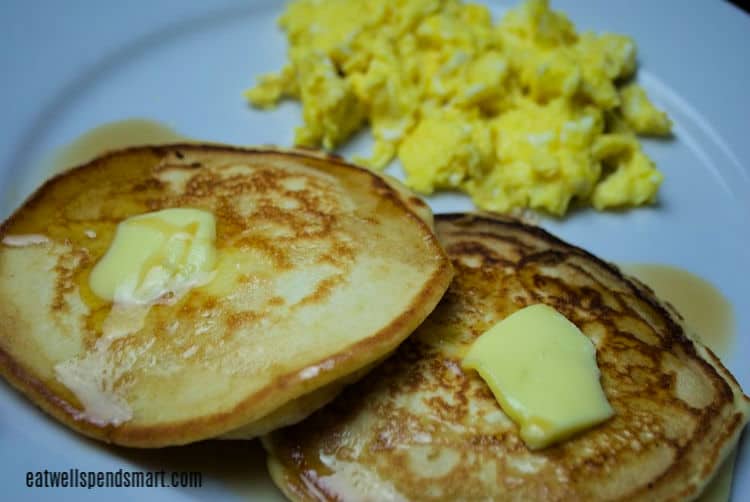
x,y
70,66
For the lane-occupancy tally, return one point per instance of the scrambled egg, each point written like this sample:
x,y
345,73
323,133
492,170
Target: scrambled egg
x,y
522,113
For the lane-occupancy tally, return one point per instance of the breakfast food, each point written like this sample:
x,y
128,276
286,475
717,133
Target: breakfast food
x,y
424,427
163,295
522,113
542,370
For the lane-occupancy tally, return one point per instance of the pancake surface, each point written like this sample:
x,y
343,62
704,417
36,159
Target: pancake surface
x,y
420,427
306,248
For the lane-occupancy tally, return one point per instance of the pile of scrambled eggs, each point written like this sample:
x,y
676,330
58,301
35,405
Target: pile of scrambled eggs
x,y
522,113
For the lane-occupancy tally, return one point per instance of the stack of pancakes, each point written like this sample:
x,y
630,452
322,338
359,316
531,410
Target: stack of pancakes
x,y
334,328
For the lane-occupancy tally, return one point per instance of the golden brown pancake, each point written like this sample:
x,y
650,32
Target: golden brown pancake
x,y
323,269
420,427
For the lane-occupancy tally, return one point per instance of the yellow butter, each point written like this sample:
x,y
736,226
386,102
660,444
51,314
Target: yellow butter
x,y
153,254
543,372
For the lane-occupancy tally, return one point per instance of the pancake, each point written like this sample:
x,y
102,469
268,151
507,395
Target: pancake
x,y
323,269
419,427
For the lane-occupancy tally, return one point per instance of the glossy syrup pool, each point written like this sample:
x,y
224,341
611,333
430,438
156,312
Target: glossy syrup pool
x,y
110,136
710,316
705,309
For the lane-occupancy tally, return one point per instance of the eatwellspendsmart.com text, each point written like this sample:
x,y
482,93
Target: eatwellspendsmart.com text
x,y
121,478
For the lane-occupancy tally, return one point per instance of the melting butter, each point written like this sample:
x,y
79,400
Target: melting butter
x,y
542,370
152,254
95,378
25,240
156,253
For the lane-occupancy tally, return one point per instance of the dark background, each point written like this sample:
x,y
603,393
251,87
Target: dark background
x,y
740,4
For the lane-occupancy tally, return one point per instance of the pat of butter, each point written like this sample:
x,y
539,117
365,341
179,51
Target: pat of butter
x,y
153,254
543,372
